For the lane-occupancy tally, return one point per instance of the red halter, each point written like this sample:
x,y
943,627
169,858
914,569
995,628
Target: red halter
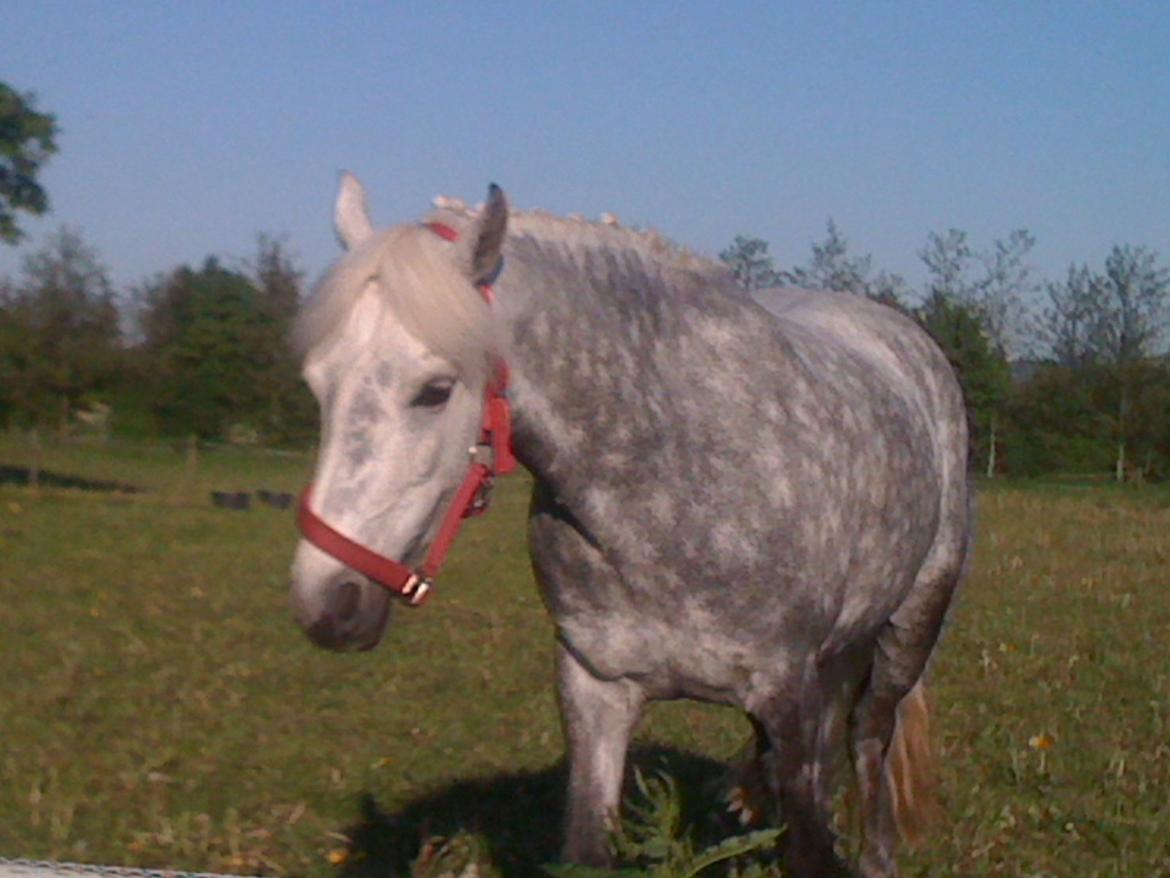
x,y
491,457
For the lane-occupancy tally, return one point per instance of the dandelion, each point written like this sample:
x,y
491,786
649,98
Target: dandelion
x,y
1042,741
337,856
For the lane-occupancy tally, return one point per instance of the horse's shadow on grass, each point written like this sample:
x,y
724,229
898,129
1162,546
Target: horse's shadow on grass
x,y
517,817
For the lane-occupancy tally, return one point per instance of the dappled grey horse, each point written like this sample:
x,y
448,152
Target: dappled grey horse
x,y
760,503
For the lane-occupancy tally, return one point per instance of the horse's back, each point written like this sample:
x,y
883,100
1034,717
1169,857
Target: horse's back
x,y
890,343
888,339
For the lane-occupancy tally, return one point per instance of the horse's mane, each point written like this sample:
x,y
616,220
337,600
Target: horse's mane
x,y
576,234
433,299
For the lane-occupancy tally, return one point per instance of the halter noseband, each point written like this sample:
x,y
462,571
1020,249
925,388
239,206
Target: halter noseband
x,y
491,457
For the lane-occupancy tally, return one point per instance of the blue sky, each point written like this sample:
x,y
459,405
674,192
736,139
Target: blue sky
x,y
188,128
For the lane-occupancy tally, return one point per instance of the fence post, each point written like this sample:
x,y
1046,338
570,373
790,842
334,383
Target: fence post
x,y
192,463
34,468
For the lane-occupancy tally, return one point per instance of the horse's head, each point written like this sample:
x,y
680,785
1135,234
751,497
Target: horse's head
x,y
397,344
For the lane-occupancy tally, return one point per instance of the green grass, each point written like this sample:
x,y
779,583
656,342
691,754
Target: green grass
x,y
158,706
1060,639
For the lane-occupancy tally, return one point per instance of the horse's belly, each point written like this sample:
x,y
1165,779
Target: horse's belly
x,y
666,661
709,608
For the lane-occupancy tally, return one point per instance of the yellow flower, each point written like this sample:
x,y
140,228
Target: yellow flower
x,y
1042,741
337,856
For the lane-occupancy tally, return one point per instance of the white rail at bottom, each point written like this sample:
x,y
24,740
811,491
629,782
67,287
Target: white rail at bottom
x,y
41,869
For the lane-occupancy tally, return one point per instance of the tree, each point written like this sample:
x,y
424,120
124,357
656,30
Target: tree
x,y
1133,298
750,263
1117,316
950,315
948,259
60,340
1150,421
1115,321
982,370
203,330
993,299
1066,325
996,293
889,289
27,140
215,345
289,411
1057,424
1133,305
278,278
832,267
1006,283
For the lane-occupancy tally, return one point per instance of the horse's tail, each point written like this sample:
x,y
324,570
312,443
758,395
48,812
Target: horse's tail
x,y
911,767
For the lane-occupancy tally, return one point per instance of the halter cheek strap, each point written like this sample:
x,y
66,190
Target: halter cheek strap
x,y
491,457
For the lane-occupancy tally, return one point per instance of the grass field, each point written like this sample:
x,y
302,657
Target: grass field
x,y
158,706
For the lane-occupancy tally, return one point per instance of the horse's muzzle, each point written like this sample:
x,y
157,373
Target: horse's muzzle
x,y
342,611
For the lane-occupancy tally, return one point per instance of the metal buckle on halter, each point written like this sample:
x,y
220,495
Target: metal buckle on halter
x,y
482,499
416,589
485,454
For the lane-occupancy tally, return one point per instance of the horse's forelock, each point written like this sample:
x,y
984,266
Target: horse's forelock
x,y
322,314
419,277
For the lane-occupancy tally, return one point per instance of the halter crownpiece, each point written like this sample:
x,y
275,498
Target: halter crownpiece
x,y
491,457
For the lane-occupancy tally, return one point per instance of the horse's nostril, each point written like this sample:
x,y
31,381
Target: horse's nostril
x,y
347,600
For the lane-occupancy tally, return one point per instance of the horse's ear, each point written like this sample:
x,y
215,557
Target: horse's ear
x,y
351,215
488,236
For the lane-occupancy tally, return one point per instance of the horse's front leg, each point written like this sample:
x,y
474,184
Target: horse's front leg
x,y
599,717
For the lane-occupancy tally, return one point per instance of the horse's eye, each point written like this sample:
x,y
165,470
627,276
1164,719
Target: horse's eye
x,y
434,394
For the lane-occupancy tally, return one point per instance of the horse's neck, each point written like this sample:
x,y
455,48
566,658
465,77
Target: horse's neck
x,y
585,333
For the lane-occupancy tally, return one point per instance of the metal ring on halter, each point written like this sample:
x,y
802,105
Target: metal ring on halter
x,y
483,454
416,589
